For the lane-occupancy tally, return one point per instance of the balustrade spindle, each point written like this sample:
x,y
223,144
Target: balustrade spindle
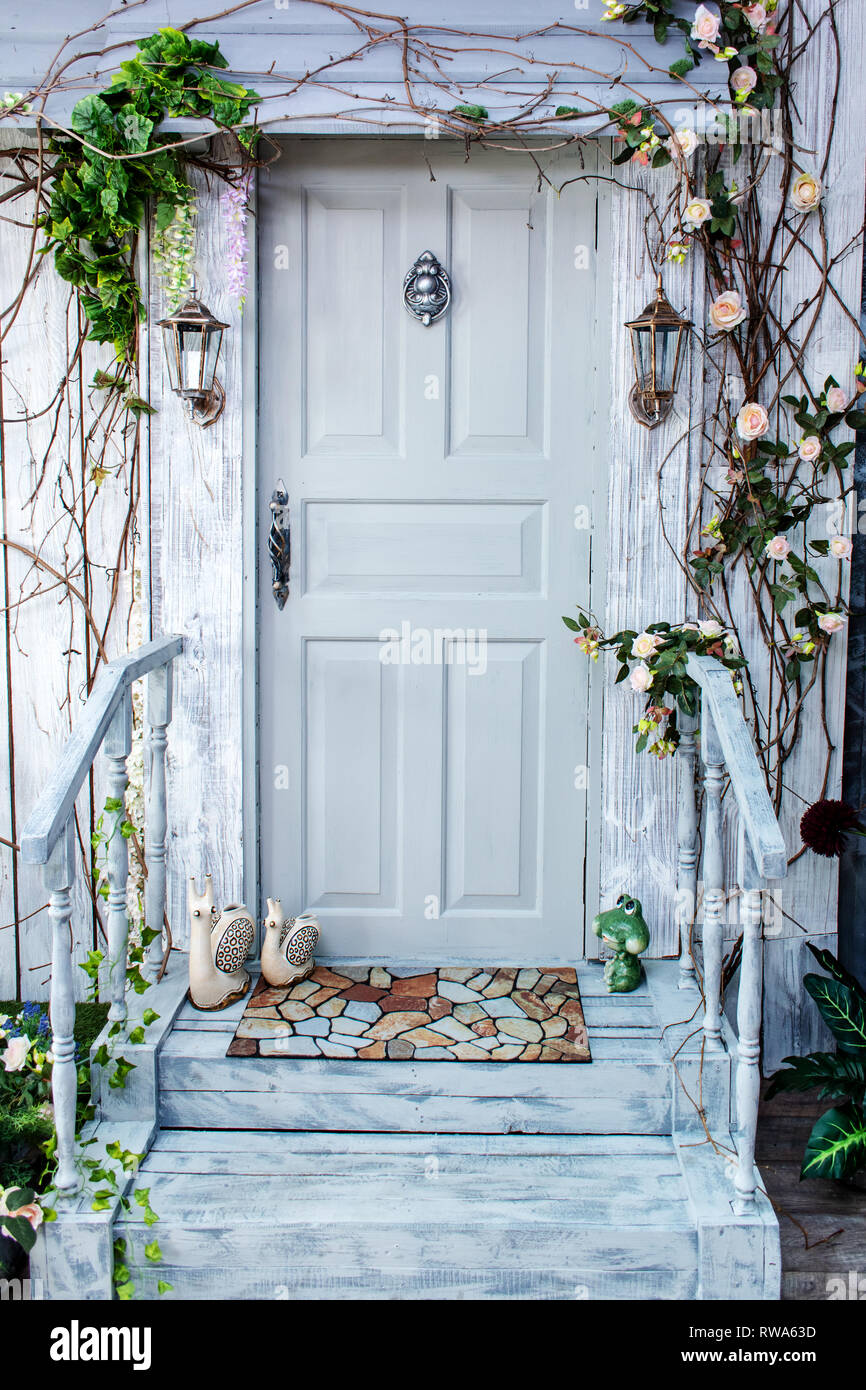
x,y
748,1024
59,874
714,878
159,693
118,742
687,851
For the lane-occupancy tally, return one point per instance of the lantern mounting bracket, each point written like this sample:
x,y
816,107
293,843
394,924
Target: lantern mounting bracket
x,y
206,410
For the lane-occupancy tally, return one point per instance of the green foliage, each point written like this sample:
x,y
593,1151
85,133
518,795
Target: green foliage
x,y
472,113
103,180
836,1148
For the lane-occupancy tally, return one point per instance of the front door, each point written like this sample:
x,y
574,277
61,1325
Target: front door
x,y
422,709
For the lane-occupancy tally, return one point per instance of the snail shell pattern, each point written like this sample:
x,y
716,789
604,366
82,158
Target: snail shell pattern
x,y
302,945
234,944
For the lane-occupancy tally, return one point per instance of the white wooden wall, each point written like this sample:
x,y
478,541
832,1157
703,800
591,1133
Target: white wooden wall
x,y
193,559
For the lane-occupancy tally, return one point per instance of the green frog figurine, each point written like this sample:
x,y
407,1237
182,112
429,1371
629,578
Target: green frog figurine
x,y
623,928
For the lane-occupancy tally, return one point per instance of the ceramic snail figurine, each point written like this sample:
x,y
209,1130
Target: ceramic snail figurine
x,y
218,946
624,929
287,950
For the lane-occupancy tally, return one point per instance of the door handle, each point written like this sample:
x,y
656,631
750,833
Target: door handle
x,y
280,543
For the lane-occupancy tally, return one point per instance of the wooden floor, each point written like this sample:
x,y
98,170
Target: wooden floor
x,y
822,1225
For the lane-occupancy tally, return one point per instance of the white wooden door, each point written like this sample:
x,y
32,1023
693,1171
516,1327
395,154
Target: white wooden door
x,y
419,794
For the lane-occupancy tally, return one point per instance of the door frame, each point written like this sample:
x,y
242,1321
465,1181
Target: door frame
x,y
253,538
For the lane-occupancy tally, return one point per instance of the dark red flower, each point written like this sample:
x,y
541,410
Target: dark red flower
x,y
825,825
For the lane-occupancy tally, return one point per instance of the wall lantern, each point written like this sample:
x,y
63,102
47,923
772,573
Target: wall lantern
x,y
192,338
657,346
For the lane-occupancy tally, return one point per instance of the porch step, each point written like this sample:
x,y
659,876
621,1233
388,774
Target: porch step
x,y
386,1216
629,1087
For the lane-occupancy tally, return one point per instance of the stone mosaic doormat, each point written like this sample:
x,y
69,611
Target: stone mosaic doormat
x,y
463,1014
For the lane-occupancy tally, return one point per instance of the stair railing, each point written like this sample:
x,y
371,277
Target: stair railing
x,y
48,838
726,747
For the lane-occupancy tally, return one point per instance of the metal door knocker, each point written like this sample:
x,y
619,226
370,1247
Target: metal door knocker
x,y
280,543
427,289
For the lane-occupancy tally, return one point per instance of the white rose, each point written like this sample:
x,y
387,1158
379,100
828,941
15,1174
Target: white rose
x,y
757,16
806,192
841,547
644,645
16,1053
697,212
728,311
710,628
744,80
684,143
752,421
641,678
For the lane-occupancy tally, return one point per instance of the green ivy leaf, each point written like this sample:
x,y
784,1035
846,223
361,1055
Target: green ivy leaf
x,y
163,1286
153,1252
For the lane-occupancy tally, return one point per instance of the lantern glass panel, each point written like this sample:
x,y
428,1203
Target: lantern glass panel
x,y
213,340
170,343
666,356
640,342
192,358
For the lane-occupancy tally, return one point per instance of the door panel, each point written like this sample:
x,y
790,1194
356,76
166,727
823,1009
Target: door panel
x,y
421,708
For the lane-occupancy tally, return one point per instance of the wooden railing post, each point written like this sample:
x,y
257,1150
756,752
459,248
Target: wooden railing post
x,y
158,703
59,874
748,1024
713,877
118,742
687,849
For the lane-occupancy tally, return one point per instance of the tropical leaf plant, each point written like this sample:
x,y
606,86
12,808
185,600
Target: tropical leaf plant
x,y
836,1147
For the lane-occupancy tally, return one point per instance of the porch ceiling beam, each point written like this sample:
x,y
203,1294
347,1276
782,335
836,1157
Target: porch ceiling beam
x,y
51,812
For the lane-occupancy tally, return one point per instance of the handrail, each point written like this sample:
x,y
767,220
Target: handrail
x,y
46,821
747,780
726,744
49,839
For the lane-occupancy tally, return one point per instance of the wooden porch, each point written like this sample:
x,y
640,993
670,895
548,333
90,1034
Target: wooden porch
x,y
306,1178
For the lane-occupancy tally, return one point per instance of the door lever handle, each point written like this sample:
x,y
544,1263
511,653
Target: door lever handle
x,y
280,543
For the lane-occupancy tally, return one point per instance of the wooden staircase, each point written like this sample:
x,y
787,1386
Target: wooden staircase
x,y
307,1178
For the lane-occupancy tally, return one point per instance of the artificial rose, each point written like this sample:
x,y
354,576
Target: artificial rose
x,y
31,1212
830,622
705,27
683,143
710,628
841,547
837,400
743,81
757,16
777,548
697,212
727,311
752,421
641,678
644,645
810,448
806,192
16,1053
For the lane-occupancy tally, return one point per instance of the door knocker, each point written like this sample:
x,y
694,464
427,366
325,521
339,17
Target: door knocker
x,y
427,289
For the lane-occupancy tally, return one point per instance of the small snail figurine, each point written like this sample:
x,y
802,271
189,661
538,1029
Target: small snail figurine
x,y
219,943
287,950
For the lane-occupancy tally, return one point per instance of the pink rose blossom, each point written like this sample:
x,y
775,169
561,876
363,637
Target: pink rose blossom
x,y
830,622
705,27
744,80
752,421
777,548
757,16
810,448
728,311
837,400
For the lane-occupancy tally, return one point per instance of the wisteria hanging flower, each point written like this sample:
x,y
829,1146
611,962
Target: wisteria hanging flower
x,y
233,202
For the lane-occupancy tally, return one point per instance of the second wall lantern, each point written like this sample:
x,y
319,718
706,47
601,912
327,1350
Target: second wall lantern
x,y
657,337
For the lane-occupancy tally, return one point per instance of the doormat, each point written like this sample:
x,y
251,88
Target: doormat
x,y
457,1013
